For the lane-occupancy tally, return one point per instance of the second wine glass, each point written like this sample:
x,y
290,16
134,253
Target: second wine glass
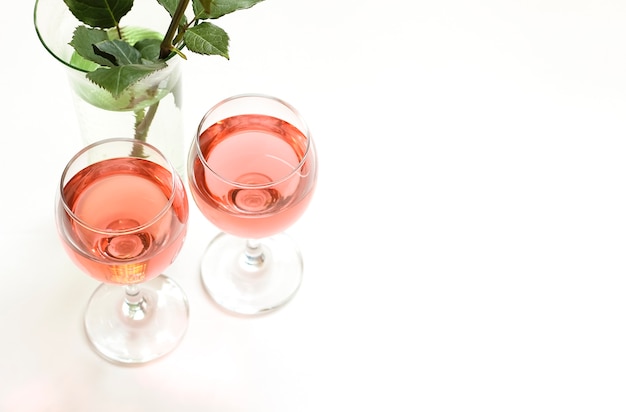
x,y
252,170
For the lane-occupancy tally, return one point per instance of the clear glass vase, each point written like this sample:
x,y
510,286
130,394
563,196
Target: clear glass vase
x,y
150,110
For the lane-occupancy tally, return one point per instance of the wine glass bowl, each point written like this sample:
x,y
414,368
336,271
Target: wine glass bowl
x,y
122,214
252,171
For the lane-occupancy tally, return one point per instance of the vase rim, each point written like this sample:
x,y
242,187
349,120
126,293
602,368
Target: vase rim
x,y
56,54
44,43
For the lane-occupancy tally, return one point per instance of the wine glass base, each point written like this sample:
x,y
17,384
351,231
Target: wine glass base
x,y
140,336
249,289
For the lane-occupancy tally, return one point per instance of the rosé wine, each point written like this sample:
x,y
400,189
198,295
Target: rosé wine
x,y
128,219
257,176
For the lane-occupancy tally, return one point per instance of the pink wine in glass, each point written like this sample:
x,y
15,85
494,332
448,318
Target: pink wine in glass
x,y
123,231
259,179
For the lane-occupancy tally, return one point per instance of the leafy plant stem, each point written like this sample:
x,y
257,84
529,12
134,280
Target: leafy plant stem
x,y
166,44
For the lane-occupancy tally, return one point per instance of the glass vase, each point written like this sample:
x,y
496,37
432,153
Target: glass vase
x,y
149,110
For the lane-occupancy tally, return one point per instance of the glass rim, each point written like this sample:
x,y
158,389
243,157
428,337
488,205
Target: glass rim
x,y
154,219
304,130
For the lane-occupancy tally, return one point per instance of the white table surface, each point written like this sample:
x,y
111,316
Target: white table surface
x,y
465,248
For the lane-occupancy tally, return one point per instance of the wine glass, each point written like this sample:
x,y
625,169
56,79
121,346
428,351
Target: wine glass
x,y
122,214
252,170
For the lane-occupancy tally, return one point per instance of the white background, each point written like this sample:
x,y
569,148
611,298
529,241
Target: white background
x,y
464,249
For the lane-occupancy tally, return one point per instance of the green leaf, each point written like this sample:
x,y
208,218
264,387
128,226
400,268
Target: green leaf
x,y
215,9
119,78
149,49
121,52
99,13
198,10
83,40
170,6
207,38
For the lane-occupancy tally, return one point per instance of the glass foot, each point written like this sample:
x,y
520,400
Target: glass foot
x,y
149,328
254,283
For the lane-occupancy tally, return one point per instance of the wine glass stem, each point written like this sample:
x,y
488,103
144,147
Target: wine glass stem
x,y
253,255
134,303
